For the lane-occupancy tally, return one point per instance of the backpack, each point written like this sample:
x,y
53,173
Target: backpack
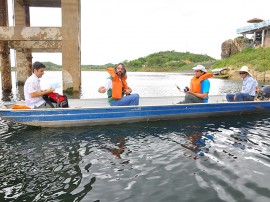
x,y
60,101
264,93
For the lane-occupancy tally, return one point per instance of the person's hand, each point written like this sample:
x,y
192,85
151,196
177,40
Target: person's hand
x,y
128,91
44,92
50,90
234,98
188,92
102,89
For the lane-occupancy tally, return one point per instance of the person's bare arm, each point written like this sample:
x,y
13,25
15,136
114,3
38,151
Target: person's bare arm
x,y
41,93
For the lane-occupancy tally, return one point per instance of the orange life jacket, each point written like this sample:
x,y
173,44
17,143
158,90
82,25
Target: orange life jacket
x,y
15,106
195,84
118,85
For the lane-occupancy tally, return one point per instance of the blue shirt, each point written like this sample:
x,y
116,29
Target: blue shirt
x,y
249,85
205,87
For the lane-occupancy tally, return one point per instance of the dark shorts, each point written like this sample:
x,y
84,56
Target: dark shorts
x,y
189,98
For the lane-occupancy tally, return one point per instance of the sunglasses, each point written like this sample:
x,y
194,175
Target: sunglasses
x,y
242,72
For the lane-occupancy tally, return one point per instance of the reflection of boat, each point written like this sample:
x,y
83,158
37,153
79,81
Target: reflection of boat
x,y
89,112
222,73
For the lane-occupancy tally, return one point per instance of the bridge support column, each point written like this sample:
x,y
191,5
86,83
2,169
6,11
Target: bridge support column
x,y
23,55
71,45
5,55
23,65
5,67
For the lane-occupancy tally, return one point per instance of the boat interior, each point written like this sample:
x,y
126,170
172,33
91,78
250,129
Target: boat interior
x,y
144,101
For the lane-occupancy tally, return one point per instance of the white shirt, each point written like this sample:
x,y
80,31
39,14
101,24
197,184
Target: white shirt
x,y
249,85
31,85
108,84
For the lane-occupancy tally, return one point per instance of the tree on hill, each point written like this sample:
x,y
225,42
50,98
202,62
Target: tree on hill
x,y
52,67
168,59
160,61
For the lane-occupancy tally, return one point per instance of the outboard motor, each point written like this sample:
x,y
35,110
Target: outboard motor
x,y
264,93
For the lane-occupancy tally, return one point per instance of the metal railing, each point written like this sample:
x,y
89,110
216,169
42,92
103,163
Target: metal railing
x,y
254,26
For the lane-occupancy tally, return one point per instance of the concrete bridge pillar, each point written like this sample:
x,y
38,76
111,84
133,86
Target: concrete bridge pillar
x,y
5,68
23,63
71,45
5,54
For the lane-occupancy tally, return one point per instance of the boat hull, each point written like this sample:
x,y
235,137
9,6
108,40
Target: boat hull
x,y
88,116
225,76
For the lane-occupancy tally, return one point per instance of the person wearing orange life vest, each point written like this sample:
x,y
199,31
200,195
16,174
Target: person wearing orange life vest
x,y
199,86
118,91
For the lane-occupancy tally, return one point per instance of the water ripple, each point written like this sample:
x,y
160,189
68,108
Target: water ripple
x,y
227,158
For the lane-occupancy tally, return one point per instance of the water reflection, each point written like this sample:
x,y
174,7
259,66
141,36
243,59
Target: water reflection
x,y
138,162
116,146
197,144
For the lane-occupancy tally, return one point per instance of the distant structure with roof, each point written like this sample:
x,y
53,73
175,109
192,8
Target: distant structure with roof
x,y
260,29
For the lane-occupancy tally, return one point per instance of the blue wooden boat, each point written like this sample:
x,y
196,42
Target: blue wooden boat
x,y
97,112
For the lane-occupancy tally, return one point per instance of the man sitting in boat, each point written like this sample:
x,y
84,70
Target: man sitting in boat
x,y
249,87
116,87
199,86
32,90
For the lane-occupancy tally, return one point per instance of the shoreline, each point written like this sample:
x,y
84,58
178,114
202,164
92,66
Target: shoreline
x,y
259,76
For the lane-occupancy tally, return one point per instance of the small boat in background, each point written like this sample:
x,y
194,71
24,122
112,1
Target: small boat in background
x,y
222,73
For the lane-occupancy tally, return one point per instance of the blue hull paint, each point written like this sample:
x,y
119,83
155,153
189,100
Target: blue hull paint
x,y
109,115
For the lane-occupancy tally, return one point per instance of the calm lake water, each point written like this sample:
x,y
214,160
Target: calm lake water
x,y
141,161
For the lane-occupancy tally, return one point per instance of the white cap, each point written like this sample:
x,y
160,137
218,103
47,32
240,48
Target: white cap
x,y
200,67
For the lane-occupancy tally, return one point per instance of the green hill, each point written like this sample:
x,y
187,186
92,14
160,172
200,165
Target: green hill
x,y
157,62
168,61
52,67
165,61
259,59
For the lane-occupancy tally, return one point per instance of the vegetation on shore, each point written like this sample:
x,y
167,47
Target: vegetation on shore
x,y
172,61
168,61
257,59
165,61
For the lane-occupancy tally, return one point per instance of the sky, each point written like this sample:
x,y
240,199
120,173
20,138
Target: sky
x,y
113,31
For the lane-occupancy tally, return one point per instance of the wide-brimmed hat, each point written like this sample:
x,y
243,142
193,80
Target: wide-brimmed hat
x,y
245,69
200,67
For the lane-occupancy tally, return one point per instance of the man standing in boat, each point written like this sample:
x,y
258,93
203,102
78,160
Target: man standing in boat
x,y
32,90
119,94
199,86
249,87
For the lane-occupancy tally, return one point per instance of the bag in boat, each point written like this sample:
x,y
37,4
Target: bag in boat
x,y
264,93
60,101
17,106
